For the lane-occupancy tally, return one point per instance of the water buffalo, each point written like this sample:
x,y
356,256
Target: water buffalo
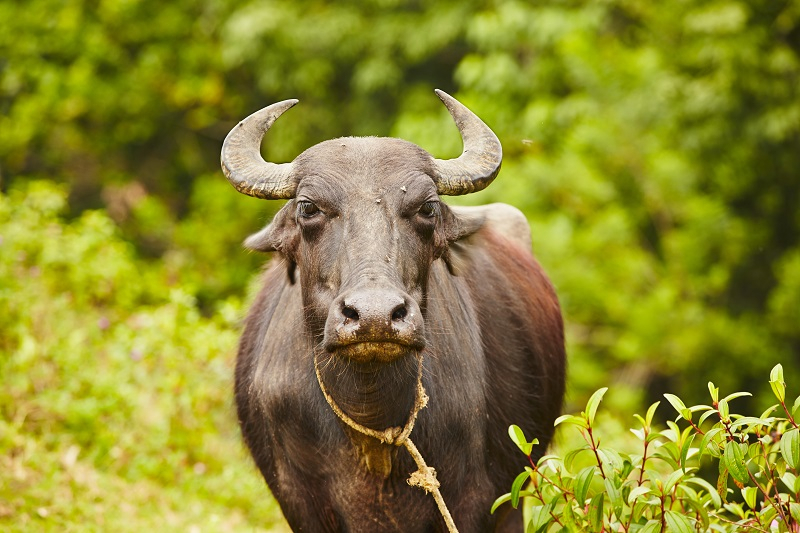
x,y
372,274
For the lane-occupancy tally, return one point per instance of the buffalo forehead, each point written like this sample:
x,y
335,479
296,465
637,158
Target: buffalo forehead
x,y
356,162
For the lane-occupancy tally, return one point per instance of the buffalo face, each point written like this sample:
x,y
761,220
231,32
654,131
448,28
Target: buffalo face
x,y
363,225
363,229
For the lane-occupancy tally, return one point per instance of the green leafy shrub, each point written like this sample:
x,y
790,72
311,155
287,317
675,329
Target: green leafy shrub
x,y
115,405
662,489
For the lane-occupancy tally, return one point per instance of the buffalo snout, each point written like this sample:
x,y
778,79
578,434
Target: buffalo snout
x,y
374,325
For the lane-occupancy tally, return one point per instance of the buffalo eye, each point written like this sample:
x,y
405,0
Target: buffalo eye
x,y
306,209
429,209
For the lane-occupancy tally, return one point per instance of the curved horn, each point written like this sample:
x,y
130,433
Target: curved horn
x,y
242,162
480,161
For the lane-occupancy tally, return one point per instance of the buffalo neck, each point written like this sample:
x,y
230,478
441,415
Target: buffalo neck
x,y
376,395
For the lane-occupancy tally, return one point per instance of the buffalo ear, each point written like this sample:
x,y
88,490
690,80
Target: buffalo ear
x,y
263,241
460,225
280,235
461,222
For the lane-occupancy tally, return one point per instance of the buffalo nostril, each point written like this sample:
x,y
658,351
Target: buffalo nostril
x,y
399,313
350,313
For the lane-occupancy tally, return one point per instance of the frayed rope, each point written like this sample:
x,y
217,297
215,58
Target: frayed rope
x,y
425,476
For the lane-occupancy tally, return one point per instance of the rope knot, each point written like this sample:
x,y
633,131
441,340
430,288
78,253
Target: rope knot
x,y
424,478
393,436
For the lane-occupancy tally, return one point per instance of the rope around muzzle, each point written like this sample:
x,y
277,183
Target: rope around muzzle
x,y
425,476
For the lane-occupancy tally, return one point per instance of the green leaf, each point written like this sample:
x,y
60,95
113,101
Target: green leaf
x,y
594,403
647,421
655,435
776,374
749,494
629,462
708,438
596,513
638,491
794,510
734,462
751,421
652,526
736,509
674,432
769,410
676,402
684,492
582,483
651,411
686,448
614,496
712,492
549,458
610,458
714,391
768,514
722,482
777,383
790,480
673,479
518,437
790,448
724,412
539,518
571,419
735,395
500,501
699,509
669,448
569,458
568,518
669,453
779,389
678,522
517,486
706,415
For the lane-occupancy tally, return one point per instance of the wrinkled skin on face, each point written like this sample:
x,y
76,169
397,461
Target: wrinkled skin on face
x,y
363,231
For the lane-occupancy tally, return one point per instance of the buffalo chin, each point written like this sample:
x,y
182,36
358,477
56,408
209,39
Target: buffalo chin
x,y
374,352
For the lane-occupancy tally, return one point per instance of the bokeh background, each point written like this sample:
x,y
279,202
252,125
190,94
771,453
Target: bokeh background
x,y
653,146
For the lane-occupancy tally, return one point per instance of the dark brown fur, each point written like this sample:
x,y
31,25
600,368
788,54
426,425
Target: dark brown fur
x,y
493,356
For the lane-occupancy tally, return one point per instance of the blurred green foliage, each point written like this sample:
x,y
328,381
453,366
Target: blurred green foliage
x,y
115,409
655,148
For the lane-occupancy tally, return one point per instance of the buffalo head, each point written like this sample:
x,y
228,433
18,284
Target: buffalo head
x,y
363,225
